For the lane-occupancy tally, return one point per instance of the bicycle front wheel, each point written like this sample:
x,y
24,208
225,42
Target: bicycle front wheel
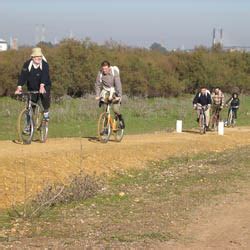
x,y
214,122
44,129
25,127
230,119
42,126
233,119
104,128
119,132
202,124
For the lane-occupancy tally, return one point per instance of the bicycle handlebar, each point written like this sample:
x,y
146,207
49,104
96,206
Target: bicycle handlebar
x,y
199,106
29,92
106,100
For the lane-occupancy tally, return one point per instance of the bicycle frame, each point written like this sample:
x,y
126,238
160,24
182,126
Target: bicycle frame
x,y
30,105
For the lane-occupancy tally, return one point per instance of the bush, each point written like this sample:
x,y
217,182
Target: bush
x,y
151,73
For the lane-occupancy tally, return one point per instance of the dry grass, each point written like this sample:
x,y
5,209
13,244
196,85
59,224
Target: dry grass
x,y
140,207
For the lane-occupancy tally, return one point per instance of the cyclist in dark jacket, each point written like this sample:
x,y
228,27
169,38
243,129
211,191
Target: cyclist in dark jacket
x,y
35,73
234,103
203,97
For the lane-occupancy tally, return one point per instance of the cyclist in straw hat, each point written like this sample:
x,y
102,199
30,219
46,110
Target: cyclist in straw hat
x,y
35,73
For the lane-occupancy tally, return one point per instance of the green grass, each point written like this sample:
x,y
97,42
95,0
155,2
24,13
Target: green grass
x,y
141,206
78,117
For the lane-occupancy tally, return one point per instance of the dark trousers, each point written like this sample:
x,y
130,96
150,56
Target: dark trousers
x,y
45,100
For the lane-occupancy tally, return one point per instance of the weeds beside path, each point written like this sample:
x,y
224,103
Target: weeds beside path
x,y
193,202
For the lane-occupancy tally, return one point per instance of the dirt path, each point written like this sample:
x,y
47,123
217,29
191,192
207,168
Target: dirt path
x,y
224,224
29,167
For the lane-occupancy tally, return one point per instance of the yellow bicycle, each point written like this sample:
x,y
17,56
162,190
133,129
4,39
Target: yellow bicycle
x,y
108,125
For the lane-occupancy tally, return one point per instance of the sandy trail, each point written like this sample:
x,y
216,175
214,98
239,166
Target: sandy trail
x,y
224,224
29,167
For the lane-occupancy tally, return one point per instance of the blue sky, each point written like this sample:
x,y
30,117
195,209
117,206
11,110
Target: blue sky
x,y
134,22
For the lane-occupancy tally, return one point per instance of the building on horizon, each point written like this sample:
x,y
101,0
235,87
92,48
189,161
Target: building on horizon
x,y
3,45
13,43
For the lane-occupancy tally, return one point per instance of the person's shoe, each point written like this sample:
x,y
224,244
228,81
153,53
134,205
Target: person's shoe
x,y
122,124
46,116
104,132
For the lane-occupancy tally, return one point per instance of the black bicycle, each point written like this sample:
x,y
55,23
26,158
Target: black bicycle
x,y
202,118
31,121
231,116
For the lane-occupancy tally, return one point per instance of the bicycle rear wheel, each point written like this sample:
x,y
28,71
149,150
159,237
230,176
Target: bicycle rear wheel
x,y
119,132
104,128
25,127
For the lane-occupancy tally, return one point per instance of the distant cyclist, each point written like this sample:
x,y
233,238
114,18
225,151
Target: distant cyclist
x,y
233,103
203,98
35,73
217,101
109,77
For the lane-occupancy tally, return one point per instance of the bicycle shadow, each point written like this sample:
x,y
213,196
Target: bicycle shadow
x,y
21,143
95,139
191,131
17,142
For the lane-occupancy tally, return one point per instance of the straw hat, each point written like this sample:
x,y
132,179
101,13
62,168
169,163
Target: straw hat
x,y
36,52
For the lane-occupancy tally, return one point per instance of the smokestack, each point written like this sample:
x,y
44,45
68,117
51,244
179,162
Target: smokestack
x,y
37,35
43,33
214,35
221,37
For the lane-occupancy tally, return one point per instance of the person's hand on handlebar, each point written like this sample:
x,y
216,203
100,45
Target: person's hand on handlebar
x,y
18,90
97,98
42,89
117,98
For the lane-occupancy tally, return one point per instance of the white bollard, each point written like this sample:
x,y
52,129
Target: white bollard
x,y
221,128
179,126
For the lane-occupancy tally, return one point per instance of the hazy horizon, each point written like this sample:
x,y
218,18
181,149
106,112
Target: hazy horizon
x,y
174,24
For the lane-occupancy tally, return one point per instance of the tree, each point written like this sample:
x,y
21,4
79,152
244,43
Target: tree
x,y
158,47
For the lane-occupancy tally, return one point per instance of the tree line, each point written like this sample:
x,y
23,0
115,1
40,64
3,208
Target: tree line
x,y
144,72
